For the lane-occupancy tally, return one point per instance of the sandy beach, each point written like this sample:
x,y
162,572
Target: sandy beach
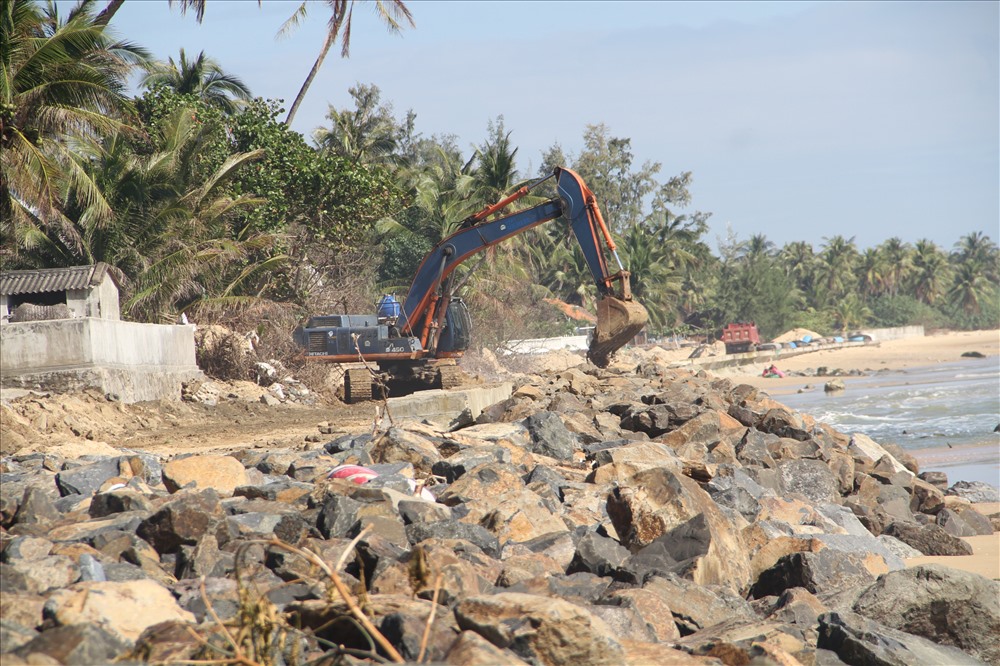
x,y
890,355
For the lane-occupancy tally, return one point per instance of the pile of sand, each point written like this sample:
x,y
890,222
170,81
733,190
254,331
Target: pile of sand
x,y
796,334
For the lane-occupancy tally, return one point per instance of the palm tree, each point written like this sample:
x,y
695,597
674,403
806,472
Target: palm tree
x,y
368,134
836,268
930,271
872,269
799,261
969,287
59,78
113,6
978,249
168,235
896,258
850,312
391,12
202,77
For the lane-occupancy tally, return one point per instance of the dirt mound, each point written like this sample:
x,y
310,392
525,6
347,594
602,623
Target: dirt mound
x,y
796,334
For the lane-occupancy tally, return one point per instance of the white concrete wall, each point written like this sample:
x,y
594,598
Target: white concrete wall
x,y
130,360
897,333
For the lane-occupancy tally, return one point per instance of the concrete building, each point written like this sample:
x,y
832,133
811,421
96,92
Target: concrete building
x,y
60,330
86,291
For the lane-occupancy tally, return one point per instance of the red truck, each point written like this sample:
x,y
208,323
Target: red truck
x,y
740,337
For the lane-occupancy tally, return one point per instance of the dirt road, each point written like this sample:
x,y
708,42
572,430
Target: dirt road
x,y
80,423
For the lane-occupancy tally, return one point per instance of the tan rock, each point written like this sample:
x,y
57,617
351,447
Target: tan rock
x,y
223,473
471,649
553,632
653,609
123,608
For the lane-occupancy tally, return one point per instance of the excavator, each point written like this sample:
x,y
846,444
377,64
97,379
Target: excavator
x,y
416,343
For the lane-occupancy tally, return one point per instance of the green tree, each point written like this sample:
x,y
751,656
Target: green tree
x,y
201,77
850,312
58,79
836,269
930,272
896,259
369,134
393,13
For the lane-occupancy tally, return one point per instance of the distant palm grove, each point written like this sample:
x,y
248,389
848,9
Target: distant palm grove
x,y
204,202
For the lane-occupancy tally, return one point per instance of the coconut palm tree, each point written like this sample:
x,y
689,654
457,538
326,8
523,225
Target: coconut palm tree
x,y
930,271
368,134
391,12
113,6
836,268
872,270
896,258
969,287
799,261
58,79
202,77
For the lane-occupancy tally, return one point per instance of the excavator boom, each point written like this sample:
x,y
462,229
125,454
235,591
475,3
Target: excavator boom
x,y
619,316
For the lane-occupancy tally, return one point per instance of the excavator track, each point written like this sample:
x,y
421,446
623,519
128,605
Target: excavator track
x,y
357,385
450,376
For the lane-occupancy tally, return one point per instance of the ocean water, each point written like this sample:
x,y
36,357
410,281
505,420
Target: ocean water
x,y
945,415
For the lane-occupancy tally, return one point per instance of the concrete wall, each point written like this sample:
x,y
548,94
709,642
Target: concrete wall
x,y
898,333
100,301
132,361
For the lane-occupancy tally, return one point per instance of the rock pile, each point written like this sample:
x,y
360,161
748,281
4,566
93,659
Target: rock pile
x,y
595,517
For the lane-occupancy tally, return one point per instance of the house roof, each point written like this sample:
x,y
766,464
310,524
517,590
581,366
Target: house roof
x,y
43,280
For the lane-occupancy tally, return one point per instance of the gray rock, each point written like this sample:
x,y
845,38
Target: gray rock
x,y
953,524
938,479
858,640
598,555
453,529
928,539
455,466
118,501
75,645
13,635
810,478
183,521
733,488
36,507
942,604
541,630
825,571
337,516
754,449
549,436
696,607
86,479
976,492
26,548
900,549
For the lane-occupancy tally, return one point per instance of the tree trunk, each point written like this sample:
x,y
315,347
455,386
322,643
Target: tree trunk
x,y
327,43
108,12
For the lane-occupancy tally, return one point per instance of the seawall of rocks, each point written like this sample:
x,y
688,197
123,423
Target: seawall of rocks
x,y
652,516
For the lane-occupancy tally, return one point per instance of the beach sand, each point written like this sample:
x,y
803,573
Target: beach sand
x,y
889,355
985,558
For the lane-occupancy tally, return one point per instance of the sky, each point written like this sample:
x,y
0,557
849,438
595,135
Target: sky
x,y
798,120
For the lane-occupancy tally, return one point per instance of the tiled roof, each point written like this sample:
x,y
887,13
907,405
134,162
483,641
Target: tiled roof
x,y
52,279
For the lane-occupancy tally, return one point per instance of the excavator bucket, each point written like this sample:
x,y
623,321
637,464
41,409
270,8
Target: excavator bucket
x,y
618,321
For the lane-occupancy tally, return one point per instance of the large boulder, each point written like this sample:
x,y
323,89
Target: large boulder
x,y
661,501
223,473
540,630
124,609
942,604
858,640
